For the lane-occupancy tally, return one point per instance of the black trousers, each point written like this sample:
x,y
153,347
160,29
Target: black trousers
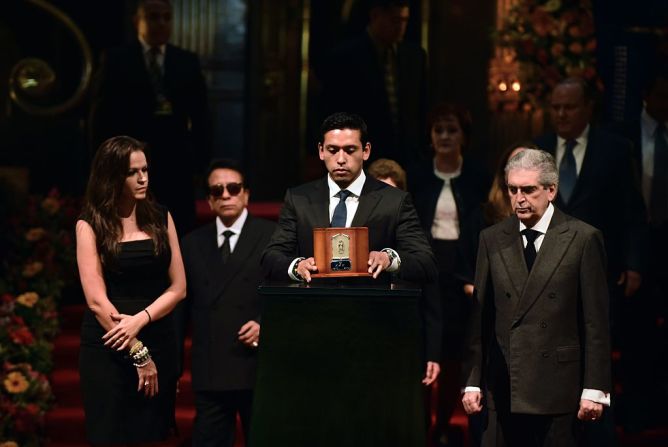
x,y
505,429
216,416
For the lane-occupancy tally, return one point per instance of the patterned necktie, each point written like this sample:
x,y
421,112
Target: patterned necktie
x,y
658,209
530,249
225,248
341,212
567,172
391,85
155,72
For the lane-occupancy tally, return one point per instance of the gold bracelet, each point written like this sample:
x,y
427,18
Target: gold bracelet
x,y
136,347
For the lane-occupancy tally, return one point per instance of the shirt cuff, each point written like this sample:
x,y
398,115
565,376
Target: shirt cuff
x,y
472,389
396,261
596,396
291,268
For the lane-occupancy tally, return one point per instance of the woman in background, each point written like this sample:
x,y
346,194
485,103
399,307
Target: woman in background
x,y
446,190
132,277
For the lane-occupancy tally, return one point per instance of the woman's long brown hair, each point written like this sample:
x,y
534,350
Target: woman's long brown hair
x,y
103,193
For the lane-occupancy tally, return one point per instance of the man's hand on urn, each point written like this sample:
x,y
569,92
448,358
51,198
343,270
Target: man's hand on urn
x,y
305,267
378,261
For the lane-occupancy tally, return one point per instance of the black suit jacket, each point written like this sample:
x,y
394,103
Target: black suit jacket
x,y
536,339
607,196
388,213
392,221
354,81
222,298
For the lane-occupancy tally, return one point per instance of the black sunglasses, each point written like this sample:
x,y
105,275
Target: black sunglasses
x,y
232,188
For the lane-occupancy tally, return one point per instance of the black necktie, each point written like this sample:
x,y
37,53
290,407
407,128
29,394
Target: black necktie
x,y
530,249
155,72
341,212
225,248
658,208
389,68
568,174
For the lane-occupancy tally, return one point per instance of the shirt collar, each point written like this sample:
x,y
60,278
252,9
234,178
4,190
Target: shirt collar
x,y
235,227
581,139
355,187
648,123
544,222
146,47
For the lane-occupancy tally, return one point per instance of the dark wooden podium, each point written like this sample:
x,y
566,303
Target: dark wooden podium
x,y
340,364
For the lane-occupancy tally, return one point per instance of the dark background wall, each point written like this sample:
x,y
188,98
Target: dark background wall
x,y
276,146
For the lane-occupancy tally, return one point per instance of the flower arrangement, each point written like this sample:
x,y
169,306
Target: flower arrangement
x,y
37,265
551,39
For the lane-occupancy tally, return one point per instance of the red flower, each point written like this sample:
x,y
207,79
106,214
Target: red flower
x,y
6,298
21,336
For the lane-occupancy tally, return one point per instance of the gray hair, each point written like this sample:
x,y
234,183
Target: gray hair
x,y
535,160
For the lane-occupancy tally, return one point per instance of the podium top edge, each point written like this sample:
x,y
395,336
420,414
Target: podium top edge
x,y
339,286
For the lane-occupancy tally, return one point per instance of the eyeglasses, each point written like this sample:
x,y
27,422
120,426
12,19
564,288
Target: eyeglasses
x,y
526,190
218,190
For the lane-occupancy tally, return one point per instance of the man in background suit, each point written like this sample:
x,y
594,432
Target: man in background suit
x,y
639,327
222,262
597,181
155,92
539,342
382,78
347,197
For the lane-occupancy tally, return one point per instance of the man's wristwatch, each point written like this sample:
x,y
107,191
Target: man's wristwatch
x,y
391,254
294,269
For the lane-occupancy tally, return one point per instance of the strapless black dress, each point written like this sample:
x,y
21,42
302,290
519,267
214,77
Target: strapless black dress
x,y
115,411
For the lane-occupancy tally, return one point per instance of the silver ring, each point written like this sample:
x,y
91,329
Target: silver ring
x,y
254,344
146,383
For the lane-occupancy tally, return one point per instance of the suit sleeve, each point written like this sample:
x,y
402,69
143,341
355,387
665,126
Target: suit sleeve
x,y
473,345
417,260
282,248
595,315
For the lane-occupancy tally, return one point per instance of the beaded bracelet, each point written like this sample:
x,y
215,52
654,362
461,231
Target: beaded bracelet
x,y
141,357
141,365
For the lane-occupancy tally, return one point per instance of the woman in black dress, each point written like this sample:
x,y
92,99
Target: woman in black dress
x,y
132,276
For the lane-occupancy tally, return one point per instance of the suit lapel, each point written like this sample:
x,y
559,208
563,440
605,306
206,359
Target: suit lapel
x,y
212,259
586,174
319,204
512,254
552,250
367,202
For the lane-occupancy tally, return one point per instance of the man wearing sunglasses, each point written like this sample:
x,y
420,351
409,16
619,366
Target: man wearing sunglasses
x,y
222,262
539,343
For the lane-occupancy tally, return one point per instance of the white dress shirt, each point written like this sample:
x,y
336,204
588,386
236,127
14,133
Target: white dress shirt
x,y
236,228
